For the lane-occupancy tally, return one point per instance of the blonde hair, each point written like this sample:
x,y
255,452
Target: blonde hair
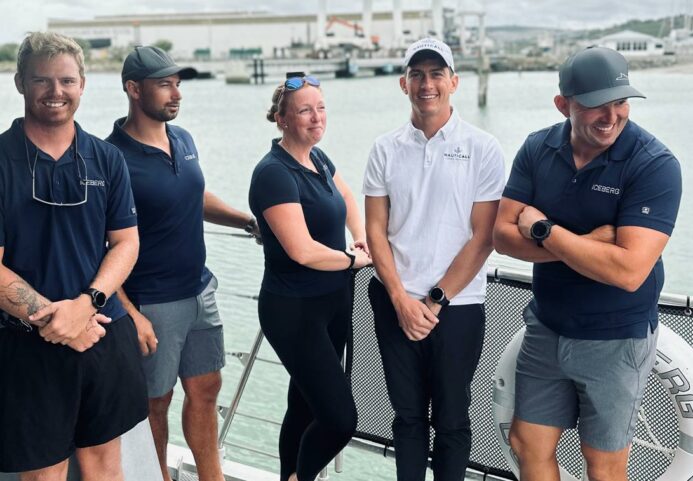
x,y
49,44
278,103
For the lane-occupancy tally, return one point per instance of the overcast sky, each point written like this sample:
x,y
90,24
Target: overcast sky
x,y
18,17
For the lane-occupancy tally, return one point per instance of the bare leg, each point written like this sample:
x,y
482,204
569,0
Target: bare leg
x,y
102,462
200,423
535,447
57,472
158,419
606,465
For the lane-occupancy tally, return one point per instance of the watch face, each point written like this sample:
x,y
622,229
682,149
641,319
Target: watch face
x,y
99,299
539,230
436,294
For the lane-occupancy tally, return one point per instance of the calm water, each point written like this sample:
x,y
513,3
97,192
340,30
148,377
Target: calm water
x,y
228,123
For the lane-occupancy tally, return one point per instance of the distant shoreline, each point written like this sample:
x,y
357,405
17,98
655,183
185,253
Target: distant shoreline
x,y
678,66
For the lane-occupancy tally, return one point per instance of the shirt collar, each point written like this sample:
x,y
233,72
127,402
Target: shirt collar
x,y
18,148
288,160
559,138
135,144
446,131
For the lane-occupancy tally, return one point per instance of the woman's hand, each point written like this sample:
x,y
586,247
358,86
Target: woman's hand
x,y
359,244
362,258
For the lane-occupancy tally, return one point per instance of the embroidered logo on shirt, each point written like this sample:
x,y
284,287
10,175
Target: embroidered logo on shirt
x,y
645,210
92,182
190,157
456,154
606,189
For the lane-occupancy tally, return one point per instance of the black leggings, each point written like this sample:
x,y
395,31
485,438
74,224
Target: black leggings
x,y
309,335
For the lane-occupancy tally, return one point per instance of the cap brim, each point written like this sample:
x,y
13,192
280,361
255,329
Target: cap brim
x,y
184,73
604,96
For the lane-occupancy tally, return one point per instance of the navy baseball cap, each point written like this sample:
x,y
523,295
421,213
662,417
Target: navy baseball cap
x,y
596,76
152,62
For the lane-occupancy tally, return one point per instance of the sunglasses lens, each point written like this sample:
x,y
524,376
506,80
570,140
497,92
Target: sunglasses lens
x,y
293,83
310,80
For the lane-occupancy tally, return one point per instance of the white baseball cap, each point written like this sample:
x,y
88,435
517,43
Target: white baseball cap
x,y
432,44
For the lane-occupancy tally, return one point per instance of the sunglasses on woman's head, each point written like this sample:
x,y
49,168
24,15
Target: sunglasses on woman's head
x,y
295,83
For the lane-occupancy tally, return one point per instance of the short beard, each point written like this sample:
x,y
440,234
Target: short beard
x,y
162,115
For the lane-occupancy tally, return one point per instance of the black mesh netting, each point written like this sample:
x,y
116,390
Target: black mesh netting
x,y
504,304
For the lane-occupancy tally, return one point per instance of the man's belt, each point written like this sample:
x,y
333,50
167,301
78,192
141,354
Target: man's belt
x,y
15,323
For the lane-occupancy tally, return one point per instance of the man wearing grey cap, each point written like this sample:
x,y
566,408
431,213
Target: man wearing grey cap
x,y
432,189
170,292
591,202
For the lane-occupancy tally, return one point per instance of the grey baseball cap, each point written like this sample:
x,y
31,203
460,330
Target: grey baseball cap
x,y
152,62
596,76
432,45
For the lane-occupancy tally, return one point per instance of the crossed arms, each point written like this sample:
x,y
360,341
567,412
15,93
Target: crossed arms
x,y
622,257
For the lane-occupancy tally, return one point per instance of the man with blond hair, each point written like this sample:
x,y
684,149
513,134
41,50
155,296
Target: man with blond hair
x,y
71,380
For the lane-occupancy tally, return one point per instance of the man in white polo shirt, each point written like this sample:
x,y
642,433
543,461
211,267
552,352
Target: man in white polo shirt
x,y
432,190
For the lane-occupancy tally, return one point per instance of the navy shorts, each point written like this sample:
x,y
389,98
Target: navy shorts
x,y
54,399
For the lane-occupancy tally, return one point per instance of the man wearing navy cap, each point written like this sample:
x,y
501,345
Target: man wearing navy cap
x,y
592,202
432,190
170,293
68,240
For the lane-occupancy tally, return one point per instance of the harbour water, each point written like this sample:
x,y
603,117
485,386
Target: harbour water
x,y
228,123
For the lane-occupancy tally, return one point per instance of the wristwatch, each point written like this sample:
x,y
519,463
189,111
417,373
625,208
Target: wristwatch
x,y
251,225
541,230
437,295
98,298
352,260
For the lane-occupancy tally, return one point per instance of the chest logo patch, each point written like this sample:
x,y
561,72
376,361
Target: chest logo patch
x,y
190,157
456,154
606,189
645,210
92,182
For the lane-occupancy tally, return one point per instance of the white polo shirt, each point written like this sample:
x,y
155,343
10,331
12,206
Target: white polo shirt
x,y
432,185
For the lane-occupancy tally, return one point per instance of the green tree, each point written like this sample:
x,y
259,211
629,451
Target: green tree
x,y
8,52
163,44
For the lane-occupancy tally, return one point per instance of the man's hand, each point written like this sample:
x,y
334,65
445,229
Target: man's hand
x,y
415,319
434,307
527,218
91,335
605,233
69,318
145,334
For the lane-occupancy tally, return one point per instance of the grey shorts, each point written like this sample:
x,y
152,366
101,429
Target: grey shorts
x,y
191,340
559,380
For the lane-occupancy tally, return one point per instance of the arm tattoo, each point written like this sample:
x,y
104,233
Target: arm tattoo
x,y
22,296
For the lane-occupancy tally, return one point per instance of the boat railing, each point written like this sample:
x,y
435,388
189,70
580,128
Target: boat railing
x,y
508,292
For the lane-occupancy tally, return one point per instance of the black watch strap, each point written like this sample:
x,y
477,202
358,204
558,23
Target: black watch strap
x,y
98,298
352,260
437,295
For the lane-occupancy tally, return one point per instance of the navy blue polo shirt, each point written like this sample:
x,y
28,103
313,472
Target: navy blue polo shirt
x,y
279,179
58,250
636,182
169,193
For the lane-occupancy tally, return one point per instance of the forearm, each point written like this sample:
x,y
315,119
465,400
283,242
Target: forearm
x,y
218,212
320,257
116,266
126,302
384,263
465,266
17,297
600,261
508,240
